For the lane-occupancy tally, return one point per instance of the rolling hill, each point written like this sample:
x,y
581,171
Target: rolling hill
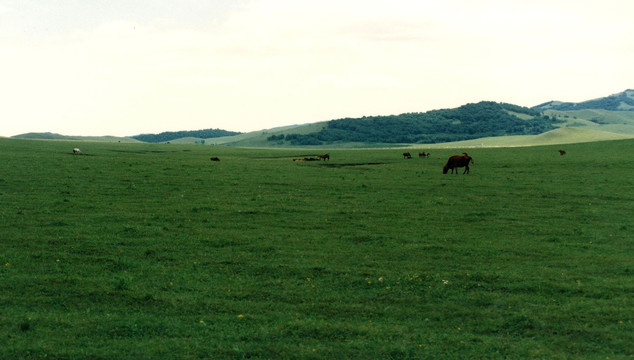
x,y
563,135
593,120
612,114
623,101
470,121
174,135
54,136
485,123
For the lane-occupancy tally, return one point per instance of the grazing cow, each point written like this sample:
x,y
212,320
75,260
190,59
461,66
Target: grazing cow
x,y
214,158
423,154
458,161
407,155
562,152
76,151
324,157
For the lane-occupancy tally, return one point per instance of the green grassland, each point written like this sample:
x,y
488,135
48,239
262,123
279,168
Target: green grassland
x,y
150,251
620,122
557,137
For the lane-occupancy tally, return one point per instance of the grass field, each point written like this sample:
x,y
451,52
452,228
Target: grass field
x,y
558,137
140,251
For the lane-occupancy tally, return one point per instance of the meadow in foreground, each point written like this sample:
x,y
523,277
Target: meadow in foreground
x,y
136,251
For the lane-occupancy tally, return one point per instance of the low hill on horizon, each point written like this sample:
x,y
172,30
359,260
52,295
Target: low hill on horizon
x,y
54,136
611,114
623,101
563,135
470,121
603,118
173,135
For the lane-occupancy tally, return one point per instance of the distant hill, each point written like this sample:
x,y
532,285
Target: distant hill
x,y
173,135
564,135
613,113
496,124
54,136
471,121
623,101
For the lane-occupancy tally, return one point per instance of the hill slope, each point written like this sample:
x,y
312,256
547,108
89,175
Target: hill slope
x,y
173,135
614,113
623,101
564,135
53,136
469,121
494,123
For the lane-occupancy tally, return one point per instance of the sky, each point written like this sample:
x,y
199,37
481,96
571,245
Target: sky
x,y
127,67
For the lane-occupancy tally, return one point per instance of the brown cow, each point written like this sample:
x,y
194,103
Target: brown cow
x,y
423,154
214,158
407,155
324,157
458,161
562,152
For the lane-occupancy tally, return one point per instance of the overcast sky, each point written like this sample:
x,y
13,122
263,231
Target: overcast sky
x,y
125,67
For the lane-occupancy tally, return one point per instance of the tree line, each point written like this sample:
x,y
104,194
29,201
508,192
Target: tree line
x,y
469,121
172,135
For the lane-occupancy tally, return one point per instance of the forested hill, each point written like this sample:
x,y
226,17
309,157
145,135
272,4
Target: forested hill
x,y
469,121
623,101
172,135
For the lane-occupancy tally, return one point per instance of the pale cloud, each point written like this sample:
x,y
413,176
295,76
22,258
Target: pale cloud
x,y
269,63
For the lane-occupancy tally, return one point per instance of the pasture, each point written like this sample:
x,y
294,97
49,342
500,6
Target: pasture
x,y
138,251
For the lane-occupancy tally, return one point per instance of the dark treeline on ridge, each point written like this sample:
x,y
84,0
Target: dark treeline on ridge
x,y
172,135
471,121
